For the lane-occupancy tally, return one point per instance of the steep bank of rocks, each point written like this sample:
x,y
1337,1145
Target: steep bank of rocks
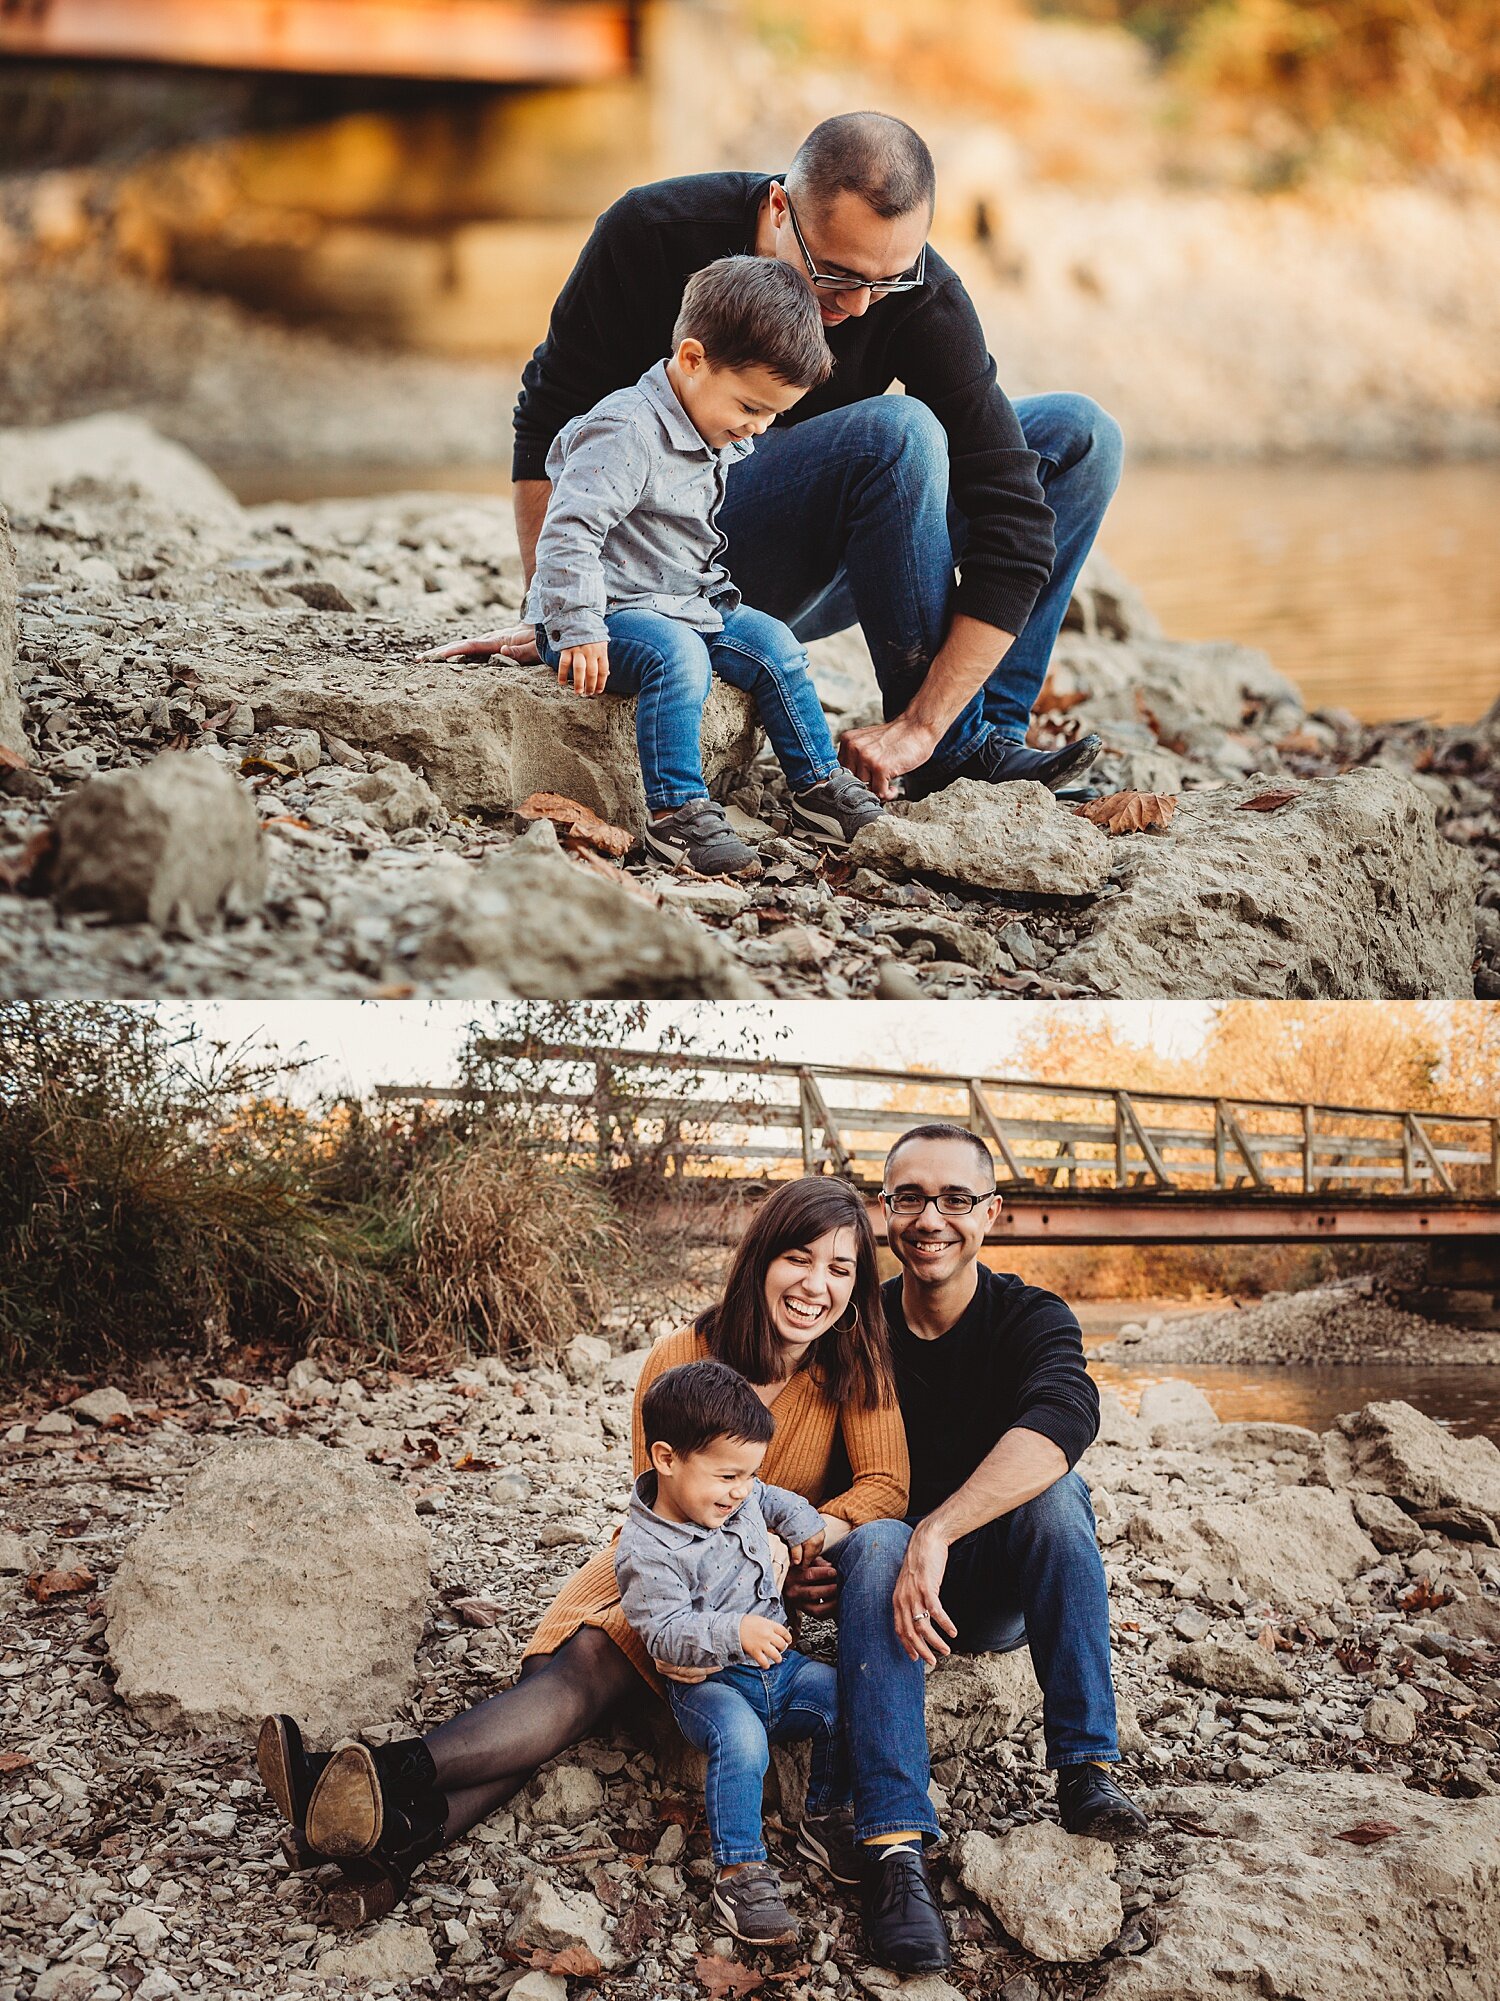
x,y
1357,1320
1307,856
1305,1641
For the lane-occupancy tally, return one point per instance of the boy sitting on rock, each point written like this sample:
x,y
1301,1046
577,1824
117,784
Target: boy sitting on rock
x,y
629,591
697,1583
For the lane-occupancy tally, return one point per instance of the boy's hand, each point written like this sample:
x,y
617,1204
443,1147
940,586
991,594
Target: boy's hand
x,y
804,1552
763,1640
586,666
516,642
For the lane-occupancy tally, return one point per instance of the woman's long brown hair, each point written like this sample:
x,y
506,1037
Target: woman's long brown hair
x,y
852,1361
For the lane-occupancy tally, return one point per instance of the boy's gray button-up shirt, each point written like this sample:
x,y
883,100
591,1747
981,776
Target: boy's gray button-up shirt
x,y
685,1588
631,524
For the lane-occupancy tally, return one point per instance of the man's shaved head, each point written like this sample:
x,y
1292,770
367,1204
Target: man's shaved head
x,y
865,153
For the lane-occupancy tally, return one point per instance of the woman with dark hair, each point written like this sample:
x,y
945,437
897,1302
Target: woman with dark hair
x,y
801,1320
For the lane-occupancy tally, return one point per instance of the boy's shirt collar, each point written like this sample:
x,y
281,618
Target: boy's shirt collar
x,y
643,1508
656,386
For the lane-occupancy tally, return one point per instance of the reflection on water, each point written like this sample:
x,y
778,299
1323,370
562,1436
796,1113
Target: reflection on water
x,y
1465,1399
1375,587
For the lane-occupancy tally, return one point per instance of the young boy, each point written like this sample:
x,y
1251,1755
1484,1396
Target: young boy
x,y
629,591
697,1584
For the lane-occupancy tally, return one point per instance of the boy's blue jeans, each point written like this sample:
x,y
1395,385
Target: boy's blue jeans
x,y
1035,1574
736,1716
845,519
670,666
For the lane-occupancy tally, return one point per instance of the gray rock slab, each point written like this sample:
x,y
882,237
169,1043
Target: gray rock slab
x,y
1298,1546
110,449
172,843
1234,1665
990,837
1392,1449
1348,892
12,735
1054,1892
287,1576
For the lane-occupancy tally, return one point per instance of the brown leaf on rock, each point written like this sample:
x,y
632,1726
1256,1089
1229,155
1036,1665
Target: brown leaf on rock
x,y
29,870
1266,1638
12,760
13,1761
576,822
1366,1832
1266,802
1424,1596
1129,812
469,1462
576,1959
1056,701
49,1584
722,1977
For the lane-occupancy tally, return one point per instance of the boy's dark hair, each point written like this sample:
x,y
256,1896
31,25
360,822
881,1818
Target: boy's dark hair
x,y
941,1130
867,153
690,1406
755,312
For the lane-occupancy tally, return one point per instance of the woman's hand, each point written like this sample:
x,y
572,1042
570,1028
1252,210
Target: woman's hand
x,y
763,1639
688,1676
915,1602
587,666
782,1558
804,1552
515,642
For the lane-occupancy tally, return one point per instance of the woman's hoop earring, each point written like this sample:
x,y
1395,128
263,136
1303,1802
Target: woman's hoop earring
x,y
847,1323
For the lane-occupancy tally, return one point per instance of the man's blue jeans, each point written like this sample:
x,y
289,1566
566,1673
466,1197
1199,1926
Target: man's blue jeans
x,y
670,666
1035,1574
736,1716
846,519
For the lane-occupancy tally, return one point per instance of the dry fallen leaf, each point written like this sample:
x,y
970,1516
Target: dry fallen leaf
x,y
28,870
1266,1638
577,823
724,1976
1129,812
13,1761
1365,1832
1265,802
12,760
468,1462
1056,701
575,1959
48,1584
477,1611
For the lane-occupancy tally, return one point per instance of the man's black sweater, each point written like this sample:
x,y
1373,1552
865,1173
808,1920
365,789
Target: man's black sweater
x,y
614,318
1013,1357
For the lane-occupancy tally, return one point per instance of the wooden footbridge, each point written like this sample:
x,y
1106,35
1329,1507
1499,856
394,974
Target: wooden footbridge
x,y
1076,1163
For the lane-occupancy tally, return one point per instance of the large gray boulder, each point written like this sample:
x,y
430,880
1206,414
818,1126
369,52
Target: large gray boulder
x,y
489,733
1298,1546
989,837
173,843
288,1576
1054,1892
111,449
1347,892
977,1699
12,736
535,924
1276,1903
1392,1449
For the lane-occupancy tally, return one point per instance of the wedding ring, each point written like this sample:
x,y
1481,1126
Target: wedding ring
x,y
918,1615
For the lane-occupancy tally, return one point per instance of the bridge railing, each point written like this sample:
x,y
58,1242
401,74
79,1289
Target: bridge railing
x,y
724,1117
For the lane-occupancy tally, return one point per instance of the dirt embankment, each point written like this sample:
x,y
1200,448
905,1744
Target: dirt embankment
x,y
1359,1320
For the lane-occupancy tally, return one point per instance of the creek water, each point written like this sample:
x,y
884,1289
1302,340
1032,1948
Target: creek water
x,y
1374,587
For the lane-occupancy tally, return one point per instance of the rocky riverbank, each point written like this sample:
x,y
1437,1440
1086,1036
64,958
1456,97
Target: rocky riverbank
x,y
1305,1633
1359,1320
1295,855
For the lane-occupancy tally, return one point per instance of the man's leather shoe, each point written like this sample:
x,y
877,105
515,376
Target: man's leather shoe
x,y
1091,1803
904,1928
997,762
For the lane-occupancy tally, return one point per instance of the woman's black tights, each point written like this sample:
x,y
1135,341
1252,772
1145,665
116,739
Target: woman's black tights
x,y
488,1753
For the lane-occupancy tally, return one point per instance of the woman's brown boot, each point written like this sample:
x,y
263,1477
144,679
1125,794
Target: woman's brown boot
x,y
375,1884
288,1771
368,1799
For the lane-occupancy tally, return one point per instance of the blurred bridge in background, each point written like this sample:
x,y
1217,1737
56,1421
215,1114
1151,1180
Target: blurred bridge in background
x,y
455,41
1077,1163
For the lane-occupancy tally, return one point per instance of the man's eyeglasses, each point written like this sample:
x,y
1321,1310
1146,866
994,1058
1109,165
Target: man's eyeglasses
x,y
836,282
952,1201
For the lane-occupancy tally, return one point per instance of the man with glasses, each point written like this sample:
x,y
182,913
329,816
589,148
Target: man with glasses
x,y
949,524
1002,1552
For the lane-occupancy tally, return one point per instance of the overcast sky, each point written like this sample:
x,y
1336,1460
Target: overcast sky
x,y
358,1044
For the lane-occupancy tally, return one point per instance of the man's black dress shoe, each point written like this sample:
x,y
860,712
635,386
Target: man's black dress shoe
x,y
997,762
1091,1803
904,1928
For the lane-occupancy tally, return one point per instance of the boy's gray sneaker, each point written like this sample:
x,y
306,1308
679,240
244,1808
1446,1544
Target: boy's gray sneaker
x,y
828,1839
750,1904
699,834
834,810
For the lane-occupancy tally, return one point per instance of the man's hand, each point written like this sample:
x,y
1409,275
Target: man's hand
x,y
880,753
804,1552
515,642
915,1602
763,1640
812,1588
689,1677
587,666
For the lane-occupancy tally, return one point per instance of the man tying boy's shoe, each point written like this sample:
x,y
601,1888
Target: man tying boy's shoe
x,y
630,592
